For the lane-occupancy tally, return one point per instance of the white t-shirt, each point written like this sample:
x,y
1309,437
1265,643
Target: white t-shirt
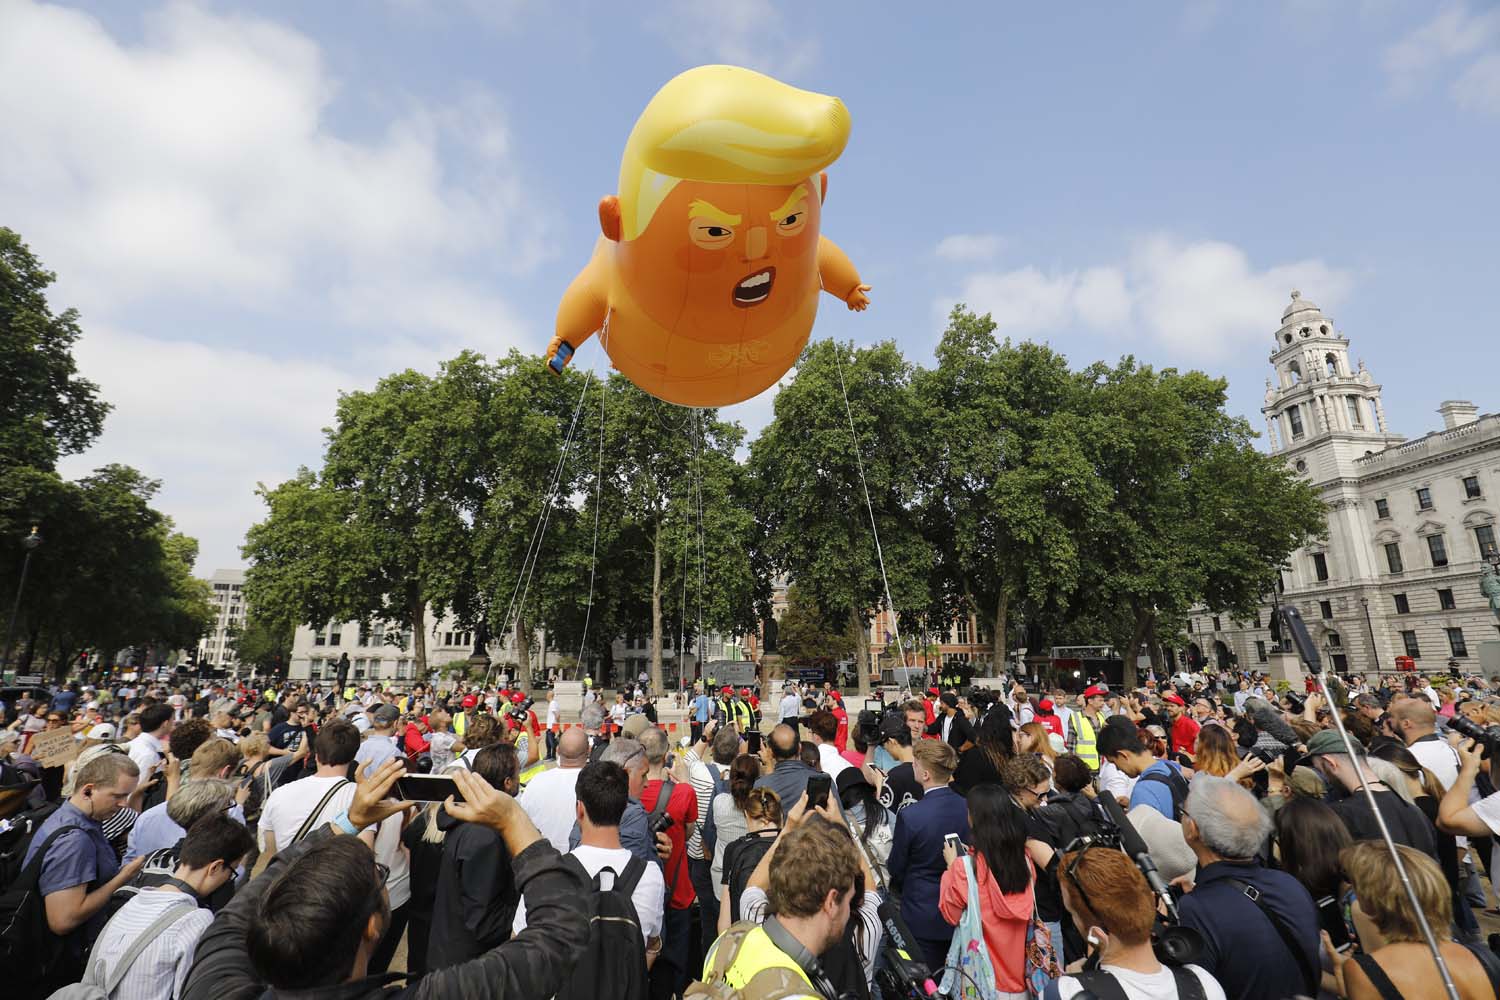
x,y
1158,985
550,799
831,761
649,896
289,806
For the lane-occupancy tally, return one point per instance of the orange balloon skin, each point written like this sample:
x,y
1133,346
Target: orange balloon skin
x,y
709,306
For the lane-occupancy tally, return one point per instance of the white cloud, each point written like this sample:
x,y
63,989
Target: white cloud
x,y
194,170
749,33
1478,89
1446,43
1201,300
199,162
211,422
969,246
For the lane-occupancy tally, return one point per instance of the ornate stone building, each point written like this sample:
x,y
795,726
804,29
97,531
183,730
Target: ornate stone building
x,y
1409,523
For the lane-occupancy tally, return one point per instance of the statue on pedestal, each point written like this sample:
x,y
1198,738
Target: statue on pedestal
x,y
1489,586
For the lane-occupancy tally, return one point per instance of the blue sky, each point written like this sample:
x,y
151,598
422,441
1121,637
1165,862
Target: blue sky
x,y
257,205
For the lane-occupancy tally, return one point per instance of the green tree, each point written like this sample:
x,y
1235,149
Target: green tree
x,y
46,409
263,643
1009,486
1196,513
810,496
802,635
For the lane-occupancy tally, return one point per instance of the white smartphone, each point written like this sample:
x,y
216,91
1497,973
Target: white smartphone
x,y
952,840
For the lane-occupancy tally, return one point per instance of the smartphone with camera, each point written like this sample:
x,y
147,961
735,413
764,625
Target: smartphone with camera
x,y
817,790
752,741
952,840
427,788
1331,917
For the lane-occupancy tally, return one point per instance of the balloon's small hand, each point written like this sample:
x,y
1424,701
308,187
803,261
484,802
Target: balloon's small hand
x,y
857,300
559,353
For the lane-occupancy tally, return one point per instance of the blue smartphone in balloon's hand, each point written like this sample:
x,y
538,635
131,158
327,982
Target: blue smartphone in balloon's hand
x,y
561,358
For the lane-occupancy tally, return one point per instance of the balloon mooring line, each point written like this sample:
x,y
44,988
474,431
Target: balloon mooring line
x,y
879,553
588,612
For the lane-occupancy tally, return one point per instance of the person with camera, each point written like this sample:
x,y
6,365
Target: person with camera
x,y
1108,900
672,809
811,922
1260,926
1405,821
310,924
895,782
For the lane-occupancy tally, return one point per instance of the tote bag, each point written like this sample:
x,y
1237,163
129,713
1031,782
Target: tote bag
x,y
968,973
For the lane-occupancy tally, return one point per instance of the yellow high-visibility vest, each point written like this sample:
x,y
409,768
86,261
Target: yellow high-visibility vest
x,y
1085,741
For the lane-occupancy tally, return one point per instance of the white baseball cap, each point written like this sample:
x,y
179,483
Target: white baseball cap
x,y
103,731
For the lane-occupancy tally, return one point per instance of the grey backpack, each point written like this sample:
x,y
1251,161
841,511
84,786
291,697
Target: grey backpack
x,y
96,984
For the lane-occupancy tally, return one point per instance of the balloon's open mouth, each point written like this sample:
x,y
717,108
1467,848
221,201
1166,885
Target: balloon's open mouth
x,y
755,289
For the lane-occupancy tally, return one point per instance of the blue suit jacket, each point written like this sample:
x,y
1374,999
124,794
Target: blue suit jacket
x,y
917,863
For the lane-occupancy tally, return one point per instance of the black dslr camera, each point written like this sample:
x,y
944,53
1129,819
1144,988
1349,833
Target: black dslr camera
x,y
1486,738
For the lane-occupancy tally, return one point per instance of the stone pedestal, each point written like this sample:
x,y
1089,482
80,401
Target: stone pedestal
x,y
1285,667
569,698
1489,659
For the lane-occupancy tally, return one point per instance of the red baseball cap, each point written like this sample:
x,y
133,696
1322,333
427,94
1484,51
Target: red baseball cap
x,y
470,701
745,692
932,691
727,690
1044,705
1097,691
1174,699
517,697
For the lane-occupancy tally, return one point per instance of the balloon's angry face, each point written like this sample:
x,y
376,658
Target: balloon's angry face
x,y
723,262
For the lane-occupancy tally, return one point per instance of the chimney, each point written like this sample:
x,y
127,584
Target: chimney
x,y
1457,412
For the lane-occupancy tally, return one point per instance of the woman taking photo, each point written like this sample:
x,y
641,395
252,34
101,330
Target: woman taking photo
x,y
1396,961
872,824
1309,839
1005,881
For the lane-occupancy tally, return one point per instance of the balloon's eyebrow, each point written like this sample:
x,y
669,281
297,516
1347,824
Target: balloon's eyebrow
x,y
700,209
798,195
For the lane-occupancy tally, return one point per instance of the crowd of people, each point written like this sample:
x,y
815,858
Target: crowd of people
x,y
1207,836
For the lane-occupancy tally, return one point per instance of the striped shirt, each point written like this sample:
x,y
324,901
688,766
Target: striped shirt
x,y
158,972
703,787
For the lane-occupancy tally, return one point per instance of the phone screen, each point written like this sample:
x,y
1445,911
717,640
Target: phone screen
x,y
1331,916
427,788
817,790
752,741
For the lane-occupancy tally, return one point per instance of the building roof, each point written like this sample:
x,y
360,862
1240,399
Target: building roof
x,y
1299,305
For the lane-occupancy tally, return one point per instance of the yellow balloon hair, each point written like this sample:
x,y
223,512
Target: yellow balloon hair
x,y
726,125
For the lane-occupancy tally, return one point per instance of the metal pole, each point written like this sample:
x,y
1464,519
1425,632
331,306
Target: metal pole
x,y
1374,656
15,607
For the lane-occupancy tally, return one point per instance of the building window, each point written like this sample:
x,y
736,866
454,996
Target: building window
x,y
1257,619
359,670
1437,550
1484,534
1326,609
1331,365
1382,508
1335,641
1320,565
1260,650
320,638
1424,499
1393,556
1471,488
1294,415
315,669
1456,642
963,631
1354,418
364,636
1217,626
334,635
1445,600
1409,640
403,670
1403,607
447,638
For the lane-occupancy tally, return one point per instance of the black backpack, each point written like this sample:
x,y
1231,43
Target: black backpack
x,y
613,965
740,861
28,948
1176,784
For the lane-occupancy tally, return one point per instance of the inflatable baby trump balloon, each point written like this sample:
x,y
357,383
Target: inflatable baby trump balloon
x,y
705,283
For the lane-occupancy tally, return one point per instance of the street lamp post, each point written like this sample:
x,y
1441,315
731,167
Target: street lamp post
x,y
29,543
1364,602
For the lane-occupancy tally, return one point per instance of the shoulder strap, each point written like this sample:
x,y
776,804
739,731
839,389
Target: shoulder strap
x,y
1310,976
1378,978
663,797
1491,963
33,871
1189,986
309,824
142,942
1101,984
628,879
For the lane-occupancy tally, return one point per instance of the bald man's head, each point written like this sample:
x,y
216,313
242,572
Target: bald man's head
x,y
573,748
784,743
1414,718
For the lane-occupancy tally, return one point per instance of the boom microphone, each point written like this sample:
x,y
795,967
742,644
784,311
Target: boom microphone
x,y
1135,847
912,978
